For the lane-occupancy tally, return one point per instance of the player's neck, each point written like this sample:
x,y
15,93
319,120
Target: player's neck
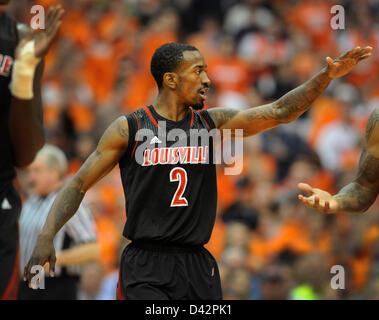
x,y
167,106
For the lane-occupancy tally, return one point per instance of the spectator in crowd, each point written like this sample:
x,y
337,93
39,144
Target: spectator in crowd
x,y
274,284
241,210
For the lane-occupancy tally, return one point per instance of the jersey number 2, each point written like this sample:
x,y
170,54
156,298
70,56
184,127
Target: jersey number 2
x,y
179,174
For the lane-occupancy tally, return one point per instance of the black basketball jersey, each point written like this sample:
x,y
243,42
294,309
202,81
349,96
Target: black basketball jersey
x,y
169,178
8,43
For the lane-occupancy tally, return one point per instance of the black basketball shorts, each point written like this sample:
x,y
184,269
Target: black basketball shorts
x,y
162,272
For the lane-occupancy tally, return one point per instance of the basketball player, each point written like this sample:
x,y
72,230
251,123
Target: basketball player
x,y
171,194
21,133
360,194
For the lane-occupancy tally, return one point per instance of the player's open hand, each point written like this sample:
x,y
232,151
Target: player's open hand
x,y
44,38
43,253
346,62
318,199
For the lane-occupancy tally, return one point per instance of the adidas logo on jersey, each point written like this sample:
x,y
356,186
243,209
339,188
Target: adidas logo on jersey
x,y
155,140
5,205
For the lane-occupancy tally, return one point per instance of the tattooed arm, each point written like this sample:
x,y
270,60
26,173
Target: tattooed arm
x,y
289,107
110,149
360,194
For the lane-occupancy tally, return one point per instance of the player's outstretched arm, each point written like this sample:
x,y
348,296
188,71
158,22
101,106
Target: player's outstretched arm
x,y
289,107
360,194
25,118
110,149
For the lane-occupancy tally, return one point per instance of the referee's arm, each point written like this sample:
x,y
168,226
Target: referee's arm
x,y
109,151
78,255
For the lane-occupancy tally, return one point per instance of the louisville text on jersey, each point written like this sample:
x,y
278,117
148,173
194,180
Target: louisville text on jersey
x,y
183,155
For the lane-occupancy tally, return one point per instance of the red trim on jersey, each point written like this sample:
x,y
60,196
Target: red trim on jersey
x,y
135,146
191,117
11,291
204,120
151,116
119,293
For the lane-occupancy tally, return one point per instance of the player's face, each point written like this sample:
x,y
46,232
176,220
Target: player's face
x,y
193,82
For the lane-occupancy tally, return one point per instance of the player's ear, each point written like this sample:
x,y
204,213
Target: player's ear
x,y
170,79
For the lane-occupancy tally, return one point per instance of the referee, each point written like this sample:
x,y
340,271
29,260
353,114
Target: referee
x,y
75,243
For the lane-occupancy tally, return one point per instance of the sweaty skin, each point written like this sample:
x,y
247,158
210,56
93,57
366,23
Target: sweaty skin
x,y
360,194
183,87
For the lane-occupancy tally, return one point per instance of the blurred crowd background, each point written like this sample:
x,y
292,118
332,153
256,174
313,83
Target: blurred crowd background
x,y
268,245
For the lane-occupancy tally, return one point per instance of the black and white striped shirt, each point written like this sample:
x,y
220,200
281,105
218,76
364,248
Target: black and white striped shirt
x,y
78,230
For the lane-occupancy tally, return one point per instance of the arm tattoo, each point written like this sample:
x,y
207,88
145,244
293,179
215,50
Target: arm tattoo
x,y
71,198
221,116
360,194
297,101
371,123
65,205
286,109
265,112
123,132
68,199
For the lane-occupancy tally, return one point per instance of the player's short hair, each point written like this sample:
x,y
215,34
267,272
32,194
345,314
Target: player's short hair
x,y
166,58
54,158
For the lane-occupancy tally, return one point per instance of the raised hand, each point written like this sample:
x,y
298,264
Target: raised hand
x,y
44,38
346,62
319,199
